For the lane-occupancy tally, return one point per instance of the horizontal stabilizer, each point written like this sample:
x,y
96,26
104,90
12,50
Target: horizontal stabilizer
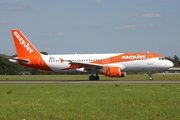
x,y
16,60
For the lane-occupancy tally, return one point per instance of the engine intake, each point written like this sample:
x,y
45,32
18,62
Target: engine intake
x,y
114,72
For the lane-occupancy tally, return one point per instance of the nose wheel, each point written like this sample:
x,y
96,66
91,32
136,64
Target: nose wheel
x,y
150,75
150,78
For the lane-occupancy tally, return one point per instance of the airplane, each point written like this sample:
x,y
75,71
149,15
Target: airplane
x,y
111,65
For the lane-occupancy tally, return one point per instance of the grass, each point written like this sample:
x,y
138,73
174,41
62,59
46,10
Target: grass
x,y
89,101
86,77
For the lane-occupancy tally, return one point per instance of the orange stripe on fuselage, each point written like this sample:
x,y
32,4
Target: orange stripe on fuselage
x,y
125,57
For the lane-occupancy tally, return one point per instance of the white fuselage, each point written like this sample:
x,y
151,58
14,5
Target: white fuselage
x,y
149,64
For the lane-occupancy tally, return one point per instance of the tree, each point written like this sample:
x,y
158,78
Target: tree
x,y
176,60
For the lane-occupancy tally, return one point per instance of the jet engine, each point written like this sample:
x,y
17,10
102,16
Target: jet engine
x,y
114,72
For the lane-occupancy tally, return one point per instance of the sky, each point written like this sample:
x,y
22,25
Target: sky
x,y
93,26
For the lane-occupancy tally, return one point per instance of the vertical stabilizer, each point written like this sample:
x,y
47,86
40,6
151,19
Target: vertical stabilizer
x,y
27,55
23,45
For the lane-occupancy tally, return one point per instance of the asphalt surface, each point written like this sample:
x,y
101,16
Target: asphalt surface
x,y
87,82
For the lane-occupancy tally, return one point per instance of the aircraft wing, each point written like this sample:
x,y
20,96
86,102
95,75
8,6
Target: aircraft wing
x,y
87,66
93,66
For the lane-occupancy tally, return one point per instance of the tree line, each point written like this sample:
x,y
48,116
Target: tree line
x,y
7,68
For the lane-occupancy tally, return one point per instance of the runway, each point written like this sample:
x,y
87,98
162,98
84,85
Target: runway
x,y
87,82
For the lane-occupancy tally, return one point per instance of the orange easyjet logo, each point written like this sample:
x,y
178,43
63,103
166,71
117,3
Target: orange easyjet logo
x,y
23,43
134,57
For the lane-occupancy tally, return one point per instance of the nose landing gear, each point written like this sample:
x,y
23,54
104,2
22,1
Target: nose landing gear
x,y
150,78
150,75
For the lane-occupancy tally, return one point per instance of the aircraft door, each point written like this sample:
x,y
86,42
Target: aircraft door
x,y
40,61
149,59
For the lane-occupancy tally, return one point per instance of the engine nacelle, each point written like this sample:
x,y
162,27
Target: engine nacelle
x,y
114,72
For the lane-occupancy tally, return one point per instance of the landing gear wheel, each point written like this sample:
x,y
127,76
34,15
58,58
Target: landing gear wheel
x,y
91,77
96,77
150,78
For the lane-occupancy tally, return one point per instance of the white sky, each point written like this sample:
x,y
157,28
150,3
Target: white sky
x,y
93,26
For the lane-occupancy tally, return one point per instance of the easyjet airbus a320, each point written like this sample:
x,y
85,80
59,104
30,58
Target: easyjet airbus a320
x,y
111,65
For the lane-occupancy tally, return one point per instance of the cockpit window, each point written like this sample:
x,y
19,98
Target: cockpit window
x,y
161,58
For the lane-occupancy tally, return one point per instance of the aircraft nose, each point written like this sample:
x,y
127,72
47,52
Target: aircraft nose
x,y
169,64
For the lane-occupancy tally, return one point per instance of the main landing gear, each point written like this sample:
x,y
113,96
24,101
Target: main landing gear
x,y
150,75
92,77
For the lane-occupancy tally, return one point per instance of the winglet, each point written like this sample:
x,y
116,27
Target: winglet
x,y
23,45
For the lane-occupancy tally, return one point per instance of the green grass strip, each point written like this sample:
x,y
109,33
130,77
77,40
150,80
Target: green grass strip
x,y
89,101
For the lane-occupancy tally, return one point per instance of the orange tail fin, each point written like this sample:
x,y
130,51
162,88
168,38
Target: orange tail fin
x,y
27,53
23,45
